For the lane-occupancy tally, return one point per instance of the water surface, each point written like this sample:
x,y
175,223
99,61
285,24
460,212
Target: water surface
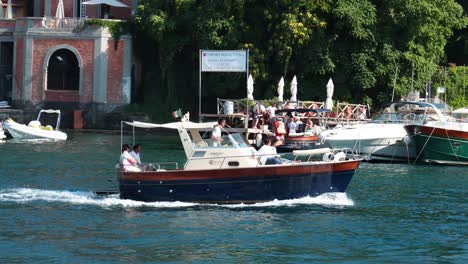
x,y
391,213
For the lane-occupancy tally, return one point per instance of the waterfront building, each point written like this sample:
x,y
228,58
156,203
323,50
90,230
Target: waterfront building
x,y
60,61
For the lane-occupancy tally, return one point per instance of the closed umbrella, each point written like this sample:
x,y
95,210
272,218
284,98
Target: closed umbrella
x,y
1,9
250,87
329,101
9,11
280,89
60,13
294,89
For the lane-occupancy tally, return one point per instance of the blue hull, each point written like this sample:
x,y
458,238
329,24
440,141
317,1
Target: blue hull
x,y
248,189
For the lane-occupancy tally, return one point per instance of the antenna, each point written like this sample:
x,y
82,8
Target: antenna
x,y
412,76
394,81
464,74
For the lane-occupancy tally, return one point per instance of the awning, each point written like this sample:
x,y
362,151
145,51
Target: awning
x,y
174,125
115,3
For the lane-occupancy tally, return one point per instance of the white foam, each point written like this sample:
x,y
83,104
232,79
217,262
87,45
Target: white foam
x,y
326,199
26,195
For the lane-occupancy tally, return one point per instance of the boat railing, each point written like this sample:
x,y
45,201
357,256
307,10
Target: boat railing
x,y
297,156
154,166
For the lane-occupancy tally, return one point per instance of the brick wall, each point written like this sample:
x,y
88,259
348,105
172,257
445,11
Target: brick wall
x,y
19,67
122,12
85,49
114,72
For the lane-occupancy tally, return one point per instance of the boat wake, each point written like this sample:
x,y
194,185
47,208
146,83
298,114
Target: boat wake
x,y
28,195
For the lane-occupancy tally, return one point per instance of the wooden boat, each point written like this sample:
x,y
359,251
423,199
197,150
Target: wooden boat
x,y
302,140
229,171
441,142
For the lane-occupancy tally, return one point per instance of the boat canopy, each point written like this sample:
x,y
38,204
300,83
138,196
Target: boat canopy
x,y
173,125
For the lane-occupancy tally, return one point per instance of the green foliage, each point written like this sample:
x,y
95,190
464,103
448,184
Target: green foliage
x,y
117,28
455,80
359,43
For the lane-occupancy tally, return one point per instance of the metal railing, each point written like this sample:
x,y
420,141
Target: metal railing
x,y
62,23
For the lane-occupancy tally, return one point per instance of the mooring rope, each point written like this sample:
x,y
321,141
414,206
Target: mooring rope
x,y
433,129
451,146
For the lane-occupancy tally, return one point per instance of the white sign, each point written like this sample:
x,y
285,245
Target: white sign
x,y
224,61
440,89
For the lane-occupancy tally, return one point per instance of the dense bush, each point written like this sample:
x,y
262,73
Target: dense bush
x,y
359,43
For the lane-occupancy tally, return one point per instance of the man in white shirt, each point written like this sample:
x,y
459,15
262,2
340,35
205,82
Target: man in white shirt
x,y
272,110
136,153
217,132
292,125
268,153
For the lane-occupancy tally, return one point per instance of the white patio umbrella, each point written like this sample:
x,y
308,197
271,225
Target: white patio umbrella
x,y
9,11
294,89
280,89
1,9
329,101
60,13
250,87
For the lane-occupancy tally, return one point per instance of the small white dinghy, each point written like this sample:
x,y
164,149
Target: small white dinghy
x,y
34,130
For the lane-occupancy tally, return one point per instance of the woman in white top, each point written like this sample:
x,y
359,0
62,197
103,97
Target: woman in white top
x,y
127,161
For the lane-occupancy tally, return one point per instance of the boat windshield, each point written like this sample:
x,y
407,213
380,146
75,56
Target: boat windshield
x,y
226,141
406,113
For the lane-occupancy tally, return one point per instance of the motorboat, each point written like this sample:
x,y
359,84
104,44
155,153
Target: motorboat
x,y
2,133
302,139
444,142
461,114
230,171
384,138
35,130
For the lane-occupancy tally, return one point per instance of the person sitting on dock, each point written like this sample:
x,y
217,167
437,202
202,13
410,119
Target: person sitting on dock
x,y
136,153
127,161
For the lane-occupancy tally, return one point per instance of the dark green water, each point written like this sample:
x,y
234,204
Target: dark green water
x,y
391,213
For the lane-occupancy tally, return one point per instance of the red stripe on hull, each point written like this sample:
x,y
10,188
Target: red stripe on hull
x,y
442,132
311,138
238,172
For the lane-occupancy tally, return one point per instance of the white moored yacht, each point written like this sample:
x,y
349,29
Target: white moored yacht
x,y
384,138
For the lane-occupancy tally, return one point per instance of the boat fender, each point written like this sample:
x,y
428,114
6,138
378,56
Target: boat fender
x,y
407,140
340,156
327,157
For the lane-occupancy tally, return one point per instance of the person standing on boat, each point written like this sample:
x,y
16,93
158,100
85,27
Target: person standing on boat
x,y
218,131
136,153
292,126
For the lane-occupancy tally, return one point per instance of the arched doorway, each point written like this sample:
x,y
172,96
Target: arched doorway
x,y
63,71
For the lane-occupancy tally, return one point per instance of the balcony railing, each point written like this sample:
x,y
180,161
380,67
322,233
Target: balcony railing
x,y
62,23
